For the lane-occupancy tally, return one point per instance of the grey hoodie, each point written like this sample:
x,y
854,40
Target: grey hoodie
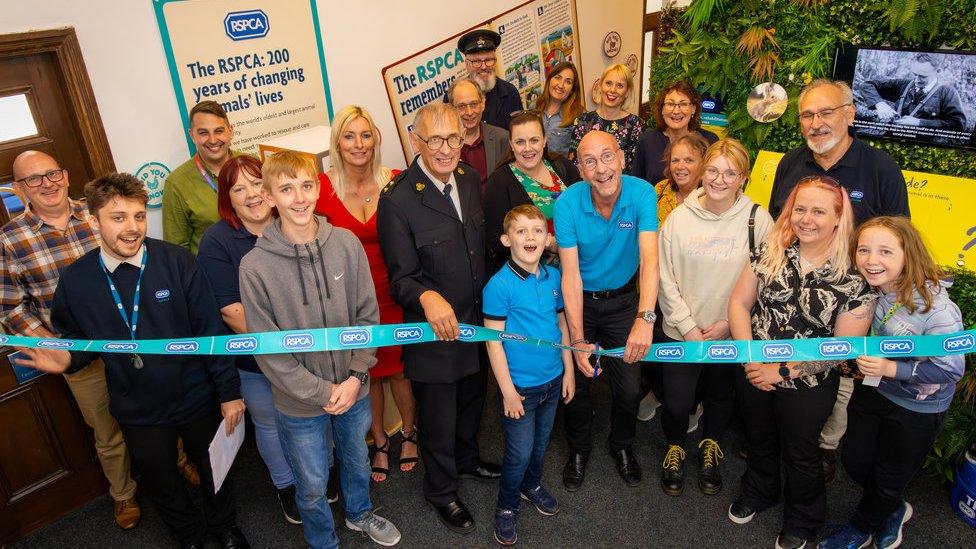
x,y
325,283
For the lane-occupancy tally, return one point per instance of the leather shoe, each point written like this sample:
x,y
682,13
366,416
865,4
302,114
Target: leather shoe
x,y
127,513
233,538
627,466
485,472
455,516
574,471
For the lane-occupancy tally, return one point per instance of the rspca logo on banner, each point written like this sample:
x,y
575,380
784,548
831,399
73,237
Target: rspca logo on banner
x,y
182,347
55,344
511,337
408,333
897,346
723,351
959,344
669,352
707,104
241,344
354,338
832,349
244,25
466,333
777,351
120,346
625,225
296,342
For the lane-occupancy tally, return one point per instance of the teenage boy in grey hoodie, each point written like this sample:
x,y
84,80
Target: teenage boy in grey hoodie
x,y
333,289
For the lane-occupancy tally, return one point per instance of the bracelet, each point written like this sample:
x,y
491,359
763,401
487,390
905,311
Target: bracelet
x,y
575,341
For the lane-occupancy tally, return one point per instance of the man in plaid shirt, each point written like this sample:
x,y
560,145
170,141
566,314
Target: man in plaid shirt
x,y
35,246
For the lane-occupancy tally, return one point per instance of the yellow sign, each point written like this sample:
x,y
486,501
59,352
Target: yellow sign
x,y
942,208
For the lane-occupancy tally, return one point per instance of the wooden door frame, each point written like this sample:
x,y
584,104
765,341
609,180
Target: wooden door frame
x,y
70,64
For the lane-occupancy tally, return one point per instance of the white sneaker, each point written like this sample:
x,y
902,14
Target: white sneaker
x,y
648,407
377,528
693,419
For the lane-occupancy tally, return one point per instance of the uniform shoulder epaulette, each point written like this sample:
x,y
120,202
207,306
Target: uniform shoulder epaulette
x,y
463,168
393,182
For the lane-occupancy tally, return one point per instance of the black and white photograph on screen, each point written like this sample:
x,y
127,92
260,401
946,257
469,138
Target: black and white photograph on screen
x,y
929,97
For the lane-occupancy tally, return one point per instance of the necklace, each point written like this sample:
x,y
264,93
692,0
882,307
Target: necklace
x,y
806,261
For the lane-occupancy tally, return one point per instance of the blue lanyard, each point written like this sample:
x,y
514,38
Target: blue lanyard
x,y
204,173
135,298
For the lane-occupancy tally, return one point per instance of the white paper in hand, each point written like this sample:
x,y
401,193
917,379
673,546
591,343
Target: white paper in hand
x,y
223,450
871,381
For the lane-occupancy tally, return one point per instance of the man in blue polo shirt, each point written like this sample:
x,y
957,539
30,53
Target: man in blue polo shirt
x,y
606,228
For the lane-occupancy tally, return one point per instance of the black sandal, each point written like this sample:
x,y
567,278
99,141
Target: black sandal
x,y
411,438
385,449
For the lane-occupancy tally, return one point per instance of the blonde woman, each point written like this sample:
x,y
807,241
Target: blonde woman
x,y
615,86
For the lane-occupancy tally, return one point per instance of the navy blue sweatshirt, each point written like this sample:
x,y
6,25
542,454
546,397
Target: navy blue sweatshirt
x,y
175,302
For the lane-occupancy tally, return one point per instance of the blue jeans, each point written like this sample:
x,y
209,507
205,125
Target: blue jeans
x,y
256,390
526,439
306,444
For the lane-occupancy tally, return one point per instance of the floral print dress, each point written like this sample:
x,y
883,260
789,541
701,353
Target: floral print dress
x,y
627,130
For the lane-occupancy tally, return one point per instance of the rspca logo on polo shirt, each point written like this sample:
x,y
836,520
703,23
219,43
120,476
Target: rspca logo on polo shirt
x,y
162,295
723,351
897,346
958,344
55,344
856,196
669,352
241,344
627,225
182,347
408,333
833,349
354,338
466,333
120,346
296,342
511,337
244,25
777,350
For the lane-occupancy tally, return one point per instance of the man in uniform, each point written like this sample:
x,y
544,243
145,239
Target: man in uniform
x,y
501,97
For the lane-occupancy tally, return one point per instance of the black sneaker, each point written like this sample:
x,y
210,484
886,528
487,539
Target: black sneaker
x,y
286,497
673,471
709,476
740,513
790,541
332,488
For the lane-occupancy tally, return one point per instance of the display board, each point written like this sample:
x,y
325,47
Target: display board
x,y
535,35
265,66
941,208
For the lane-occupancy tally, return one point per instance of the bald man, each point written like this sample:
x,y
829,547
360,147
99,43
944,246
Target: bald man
x,y
606,229
35,246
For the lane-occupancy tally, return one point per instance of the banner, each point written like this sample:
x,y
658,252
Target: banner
x,y
265,66
942,208
535,35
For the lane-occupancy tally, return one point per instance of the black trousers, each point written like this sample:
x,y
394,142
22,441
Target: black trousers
x,y
608,321
684,385
785,424
884,447
154,452
448,419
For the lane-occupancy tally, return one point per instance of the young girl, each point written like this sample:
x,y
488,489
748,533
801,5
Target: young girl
x,y
892,427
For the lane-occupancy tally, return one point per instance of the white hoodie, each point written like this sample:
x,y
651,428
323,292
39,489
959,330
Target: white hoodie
x,y
701,255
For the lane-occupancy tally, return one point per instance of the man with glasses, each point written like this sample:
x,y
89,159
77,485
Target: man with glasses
x,y
51,233
484,145
501,97
606,228
431,231
872,179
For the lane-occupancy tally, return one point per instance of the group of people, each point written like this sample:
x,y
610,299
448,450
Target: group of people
x,y
570,226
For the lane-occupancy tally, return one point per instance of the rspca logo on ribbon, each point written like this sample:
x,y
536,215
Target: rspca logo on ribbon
x,y
959,344
625,225
511,337
669,352
161,295
897,346
723,351
833,349
241,344
55,344
182,347
294,342
408,333
244,25
777,350
466,333
3,339
120,346
354,338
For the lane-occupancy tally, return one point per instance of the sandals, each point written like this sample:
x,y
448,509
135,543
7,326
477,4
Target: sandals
x,y
411,438
384,449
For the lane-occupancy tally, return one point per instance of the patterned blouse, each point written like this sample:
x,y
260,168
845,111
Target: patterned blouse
x,y
794,306
627,130
667,200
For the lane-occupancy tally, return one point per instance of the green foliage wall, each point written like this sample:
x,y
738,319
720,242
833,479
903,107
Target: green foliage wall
x,y
794,41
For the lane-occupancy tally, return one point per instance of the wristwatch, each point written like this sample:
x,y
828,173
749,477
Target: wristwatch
x,y
784,371
647,316
363,377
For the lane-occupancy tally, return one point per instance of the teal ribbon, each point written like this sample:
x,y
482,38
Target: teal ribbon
x,y
360,337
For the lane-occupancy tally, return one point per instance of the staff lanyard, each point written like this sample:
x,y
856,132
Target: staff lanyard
x,y
131,325
204,172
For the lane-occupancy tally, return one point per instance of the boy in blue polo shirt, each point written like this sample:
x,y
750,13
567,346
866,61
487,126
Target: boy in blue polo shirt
x,y
525,297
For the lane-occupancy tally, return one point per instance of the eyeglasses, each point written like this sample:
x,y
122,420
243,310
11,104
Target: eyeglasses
x,y
37,180
824,114
821,178
478,63
608,158
729,176
435,142
671,105
464,107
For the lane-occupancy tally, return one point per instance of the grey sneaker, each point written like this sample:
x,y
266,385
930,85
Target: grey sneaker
x,y
693,419
648,406
377,528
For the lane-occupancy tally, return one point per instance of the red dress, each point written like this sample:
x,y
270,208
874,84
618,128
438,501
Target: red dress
x,y
388,359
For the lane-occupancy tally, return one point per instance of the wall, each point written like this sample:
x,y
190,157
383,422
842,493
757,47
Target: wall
x,y
596,19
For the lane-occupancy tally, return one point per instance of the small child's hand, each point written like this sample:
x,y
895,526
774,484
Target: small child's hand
x,y
876,366
569,386
513,405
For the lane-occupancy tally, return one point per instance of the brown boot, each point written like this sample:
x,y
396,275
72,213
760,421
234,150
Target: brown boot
x,y
189,471
127,513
